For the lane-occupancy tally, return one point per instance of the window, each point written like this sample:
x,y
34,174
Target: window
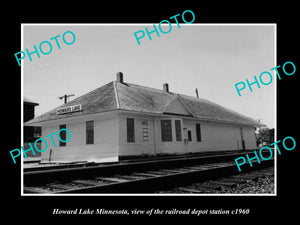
x,y
178,130
166,130
130,130
37,132
145,134
198,132
62,135
190,135
89,132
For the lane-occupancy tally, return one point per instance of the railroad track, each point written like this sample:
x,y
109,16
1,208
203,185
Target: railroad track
x,y
137,177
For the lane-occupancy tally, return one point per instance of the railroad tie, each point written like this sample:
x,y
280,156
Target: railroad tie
x,y
252,176
224,183
210,186
259,175
36,190
263,174
61,186
157,173
84,182
102,182
205,167
169,171
131,177
113,179
234,180
244,176
189,190
184,169
146,174
195,167
224,164
174,171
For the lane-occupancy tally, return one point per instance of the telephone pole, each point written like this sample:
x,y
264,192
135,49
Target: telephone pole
x,y
65,97
197,95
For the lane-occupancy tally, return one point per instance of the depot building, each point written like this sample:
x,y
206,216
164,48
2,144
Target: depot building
x,y
123,119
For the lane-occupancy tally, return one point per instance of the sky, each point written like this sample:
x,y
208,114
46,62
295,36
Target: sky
x,y
209,57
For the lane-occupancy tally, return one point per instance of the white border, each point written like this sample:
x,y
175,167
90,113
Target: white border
x,y
275,110
147,24
22,110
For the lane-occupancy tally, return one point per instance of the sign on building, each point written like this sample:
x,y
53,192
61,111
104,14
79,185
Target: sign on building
x,y
69,109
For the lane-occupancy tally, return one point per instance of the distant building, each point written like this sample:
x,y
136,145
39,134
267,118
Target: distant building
x,y
123,119
28,114
30,132
271,136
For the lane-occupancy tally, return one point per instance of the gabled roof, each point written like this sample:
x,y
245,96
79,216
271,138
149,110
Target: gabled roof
x,y
131,97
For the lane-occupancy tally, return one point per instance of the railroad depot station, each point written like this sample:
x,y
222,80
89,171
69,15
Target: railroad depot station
x,y
123,119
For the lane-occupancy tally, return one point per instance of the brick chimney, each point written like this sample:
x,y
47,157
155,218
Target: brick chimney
x,y
166,87
120,77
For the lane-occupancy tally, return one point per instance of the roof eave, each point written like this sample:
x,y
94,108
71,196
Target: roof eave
x,y
231,122
32,122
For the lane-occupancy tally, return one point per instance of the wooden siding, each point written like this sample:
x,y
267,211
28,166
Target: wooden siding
x,y
110,138
104,148
214,137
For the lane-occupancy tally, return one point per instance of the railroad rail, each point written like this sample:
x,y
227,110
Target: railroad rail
x,y
134,177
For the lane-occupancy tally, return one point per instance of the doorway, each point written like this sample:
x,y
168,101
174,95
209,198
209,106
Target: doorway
x,y
242,139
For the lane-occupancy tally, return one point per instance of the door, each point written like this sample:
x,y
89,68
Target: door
x,y
242,139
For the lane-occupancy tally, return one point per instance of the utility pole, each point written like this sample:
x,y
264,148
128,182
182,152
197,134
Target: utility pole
x,y
197,95
65,97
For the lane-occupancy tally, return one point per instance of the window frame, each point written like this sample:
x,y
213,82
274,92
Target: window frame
x,y
166,131
178,130
89,132
189,133
130,130
198,132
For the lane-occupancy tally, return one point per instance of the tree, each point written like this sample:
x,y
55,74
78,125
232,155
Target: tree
x,y
264,136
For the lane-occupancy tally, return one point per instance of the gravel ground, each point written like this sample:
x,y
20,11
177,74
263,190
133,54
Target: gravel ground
x,y
264,185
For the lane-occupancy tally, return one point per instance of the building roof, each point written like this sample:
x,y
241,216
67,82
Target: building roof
x,y
125,96
29,102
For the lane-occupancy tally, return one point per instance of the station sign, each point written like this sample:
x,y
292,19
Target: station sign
x,y
69,109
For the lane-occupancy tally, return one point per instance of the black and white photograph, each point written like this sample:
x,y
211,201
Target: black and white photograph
x,y
161,116
146,111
